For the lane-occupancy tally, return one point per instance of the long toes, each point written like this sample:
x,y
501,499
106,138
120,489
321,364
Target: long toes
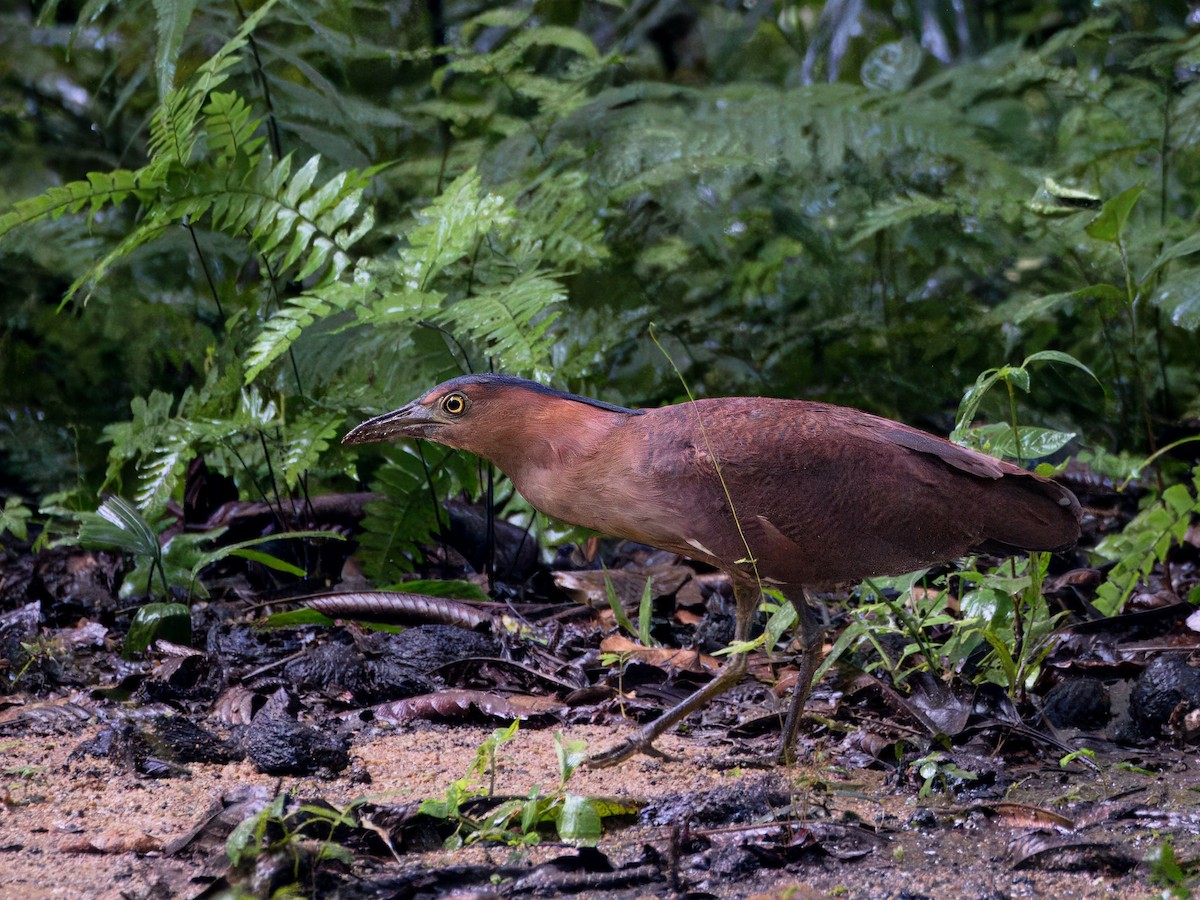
x,y
613,755
620,752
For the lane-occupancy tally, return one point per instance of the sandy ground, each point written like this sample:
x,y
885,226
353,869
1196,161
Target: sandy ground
x,y
56,809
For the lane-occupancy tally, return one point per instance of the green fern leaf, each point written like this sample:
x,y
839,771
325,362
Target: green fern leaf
x,y
287,219
394,527
172,20
899,210
139,436
159,475
285,327
511,322
98,190
450,227
229,128
307,440
174,127
560,224
147,231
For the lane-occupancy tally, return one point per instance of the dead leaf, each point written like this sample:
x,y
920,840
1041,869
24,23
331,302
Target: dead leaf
x,y
110,841
1025,815
1047,854
589,587
663,657
458,704
405,608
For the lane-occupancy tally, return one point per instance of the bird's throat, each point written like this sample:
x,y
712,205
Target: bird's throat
x,y
566,448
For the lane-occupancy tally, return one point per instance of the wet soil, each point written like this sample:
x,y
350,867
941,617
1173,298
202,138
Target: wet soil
x,y
245,760
72,827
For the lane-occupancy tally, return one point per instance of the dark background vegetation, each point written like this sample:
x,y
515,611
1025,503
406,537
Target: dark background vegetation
x,y
289,228
231,230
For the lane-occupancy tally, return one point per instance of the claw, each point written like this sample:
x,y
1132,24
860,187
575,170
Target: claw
x,y
619,752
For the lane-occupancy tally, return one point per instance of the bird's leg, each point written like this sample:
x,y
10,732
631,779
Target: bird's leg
x,y
811,639
746,595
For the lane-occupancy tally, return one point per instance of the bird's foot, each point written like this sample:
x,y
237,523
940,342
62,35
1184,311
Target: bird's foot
x,y
618,753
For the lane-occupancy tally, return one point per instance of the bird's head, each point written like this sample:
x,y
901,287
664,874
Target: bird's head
x,y
488,415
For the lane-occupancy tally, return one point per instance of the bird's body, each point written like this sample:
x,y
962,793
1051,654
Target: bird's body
x,y
823,494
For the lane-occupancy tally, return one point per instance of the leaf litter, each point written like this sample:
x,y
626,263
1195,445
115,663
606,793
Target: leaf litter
x,y
330,734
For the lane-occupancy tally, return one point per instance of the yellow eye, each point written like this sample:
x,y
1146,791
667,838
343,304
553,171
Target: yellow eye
x,y
454,404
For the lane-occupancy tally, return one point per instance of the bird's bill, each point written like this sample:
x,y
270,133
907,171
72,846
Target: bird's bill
x,y
412,420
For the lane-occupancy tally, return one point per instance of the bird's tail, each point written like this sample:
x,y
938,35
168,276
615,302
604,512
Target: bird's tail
x,y
1028,512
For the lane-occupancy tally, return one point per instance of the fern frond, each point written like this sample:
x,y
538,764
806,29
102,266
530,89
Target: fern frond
x,y
289,221
98,190
511,321
508,58
255,410
559,222
172,18
158,476
306,441
229,128
1162,523
450,227
139,436
394,527
145,232
899,210
174,127
284,328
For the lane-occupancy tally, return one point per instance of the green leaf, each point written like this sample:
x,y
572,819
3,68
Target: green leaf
x,y
781,618
242,843
1053,198
1109,225
118,525
271,562
998,440
439,587
1003,654
169,621
1179,297
571,755
1144,542
618,611
512,320
645,609
578,821
335,851
230,127
1023,309
172,20
1185,247
900,210
295,618
1165,870
240,549
395,526
1018,376
284,327
972,397
1059,357
100,189
14,518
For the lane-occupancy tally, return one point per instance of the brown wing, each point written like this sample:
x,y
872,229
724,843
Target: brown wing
x,y
829,494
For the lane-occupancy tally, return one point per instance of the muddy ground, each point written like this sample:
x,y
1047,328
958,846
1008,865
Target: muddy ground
x,y
252,756
73,828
